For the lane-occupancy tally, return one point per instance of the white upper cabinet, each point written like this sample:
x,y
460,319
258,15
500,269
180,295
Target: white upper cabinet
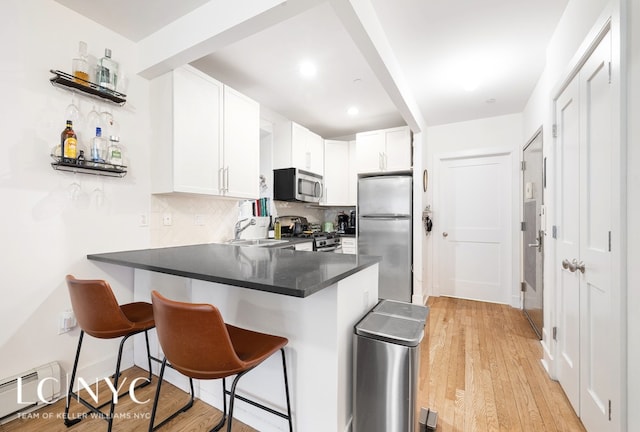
x,y
206,136
241,156
336,173
187,132
340,173
384,150
295,146
353,174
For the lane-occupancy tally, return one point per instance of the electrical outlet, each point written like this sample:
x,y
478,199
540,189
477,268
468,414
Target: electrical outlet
x,y
167,220
144,219
198,219
67,322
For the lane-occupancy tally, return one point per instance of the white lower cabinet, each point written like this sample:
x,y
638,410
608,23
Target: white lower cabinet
x,y
349,245
304,246
206,136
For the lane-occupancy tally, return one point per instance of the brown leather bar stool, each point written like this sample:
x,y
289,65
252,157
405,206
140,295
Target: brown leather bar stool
x,y
197,343
99,315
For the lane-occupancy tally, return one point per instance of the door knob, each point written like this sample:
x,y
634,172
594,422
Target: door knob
x,y
579,266
571,266
444,234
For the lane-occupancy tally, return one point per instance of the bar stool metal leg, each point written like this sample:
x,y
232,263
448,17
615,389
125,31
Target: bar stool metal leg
x,y
157,398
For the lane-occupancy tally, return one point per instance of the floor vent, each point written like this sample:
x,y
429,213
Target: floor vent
x,y
28,390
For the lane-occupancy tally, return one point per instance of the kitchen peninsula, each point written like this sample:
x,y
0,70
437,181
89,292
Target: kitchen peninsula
x,y
313,299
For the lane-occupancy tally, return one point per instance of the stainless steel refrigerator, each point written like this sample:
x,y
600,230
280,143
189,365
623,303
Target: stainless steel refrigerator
x,y
384,230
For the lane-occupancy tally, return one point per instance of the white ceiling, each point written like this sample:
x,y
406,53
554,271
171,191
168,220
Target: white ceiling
x,y
439,46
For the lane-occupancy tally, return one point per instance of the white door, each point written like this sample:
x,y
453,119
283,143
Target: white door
x,y
597,322
567,244
475,219
587,319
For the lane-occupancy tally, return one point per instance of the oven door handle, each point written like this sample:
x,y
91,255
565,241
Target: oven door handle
x,y
329,249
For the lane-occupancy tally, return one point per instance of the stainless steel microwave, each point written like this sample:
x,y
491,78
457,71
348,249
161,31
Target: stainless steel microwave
x,y
293,184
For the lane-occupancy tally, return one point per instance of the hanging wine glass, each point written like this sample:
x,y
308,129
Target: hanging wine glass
x,y
75,189
106,120
98,194
92,122
72,112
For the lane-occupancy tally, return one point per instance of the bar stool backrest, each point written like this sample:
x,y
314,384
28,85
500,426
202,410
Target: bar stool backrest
x,y
195,339
96,308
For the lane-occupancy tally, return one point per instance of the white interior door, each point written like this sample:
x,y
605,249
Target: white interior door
x,y
474,241
597,322
587,319
568,239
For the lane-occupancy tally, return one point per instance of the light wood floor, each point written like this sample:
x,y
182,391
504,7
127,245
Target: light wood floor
x,y
129,416
485,372
485,375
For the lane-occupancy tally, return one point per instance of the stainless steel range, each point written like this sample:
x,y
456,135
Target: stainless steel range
x,y
299,227
326,242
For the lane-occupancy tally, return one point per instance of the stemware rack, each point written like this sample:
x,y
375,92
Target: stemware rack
x,y
69,82
89,167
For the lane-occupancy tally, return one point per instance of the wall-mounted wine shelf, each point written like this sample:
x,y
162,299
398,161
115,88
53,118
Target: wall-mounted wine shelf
x,y
94,168
69,82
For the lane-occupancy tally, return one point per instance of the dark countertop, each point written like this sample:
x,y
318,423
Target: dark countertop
x,y
280,271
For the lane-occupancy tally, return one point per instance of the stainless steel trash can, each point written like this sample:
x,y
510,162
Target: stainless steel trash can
x,y
386,367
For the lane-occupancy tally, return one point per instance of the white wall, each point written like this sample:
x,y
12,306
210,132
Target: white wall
x,y
44,234
633,214
471,137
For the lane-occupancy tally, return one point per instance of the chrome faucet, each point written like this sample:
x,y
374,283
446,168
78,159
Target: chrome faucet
x,y
240,228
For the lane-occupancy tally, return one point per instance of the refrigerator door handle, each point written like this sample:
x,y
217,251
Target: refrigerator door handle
x,y
386,216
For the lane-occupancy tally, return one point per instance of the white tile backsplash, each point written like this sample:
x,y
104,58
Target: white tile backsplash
x,y
204,219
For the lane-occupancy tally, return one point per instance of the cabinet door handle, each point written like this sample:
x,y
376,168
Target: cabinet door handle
x,y
384,159
221,179
226,179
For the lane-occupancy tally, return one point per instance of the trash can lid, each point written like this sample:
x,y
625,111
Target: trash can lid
x,y
402,309
392,329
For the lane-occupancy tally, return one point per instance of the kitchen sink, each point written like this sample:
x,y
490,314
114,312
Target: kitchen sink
x,y
258,242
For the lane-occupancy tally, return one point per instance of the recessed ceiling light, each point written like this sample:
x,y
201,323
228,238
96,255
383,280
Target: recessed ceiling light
x,y
353,111
308,69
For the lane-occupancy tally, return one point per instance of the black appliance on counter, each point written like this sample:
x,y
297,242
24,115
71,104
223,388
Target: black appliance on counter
x,y
343,223
351,227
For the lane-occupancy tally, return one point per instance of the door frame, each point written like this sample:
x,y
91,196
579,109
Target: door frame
x,y
513,238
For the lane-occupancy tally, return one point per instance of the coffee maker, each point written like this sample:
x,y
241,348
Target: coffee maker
x,y
343,223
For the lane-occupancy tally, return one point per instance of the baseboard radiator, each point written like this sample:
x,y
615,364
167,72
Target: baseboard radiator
x,y
28,390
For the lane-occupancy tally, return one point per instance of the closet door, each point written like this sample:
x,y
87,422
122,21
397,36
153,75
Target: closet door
x,y
589,356
568,238
598,320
